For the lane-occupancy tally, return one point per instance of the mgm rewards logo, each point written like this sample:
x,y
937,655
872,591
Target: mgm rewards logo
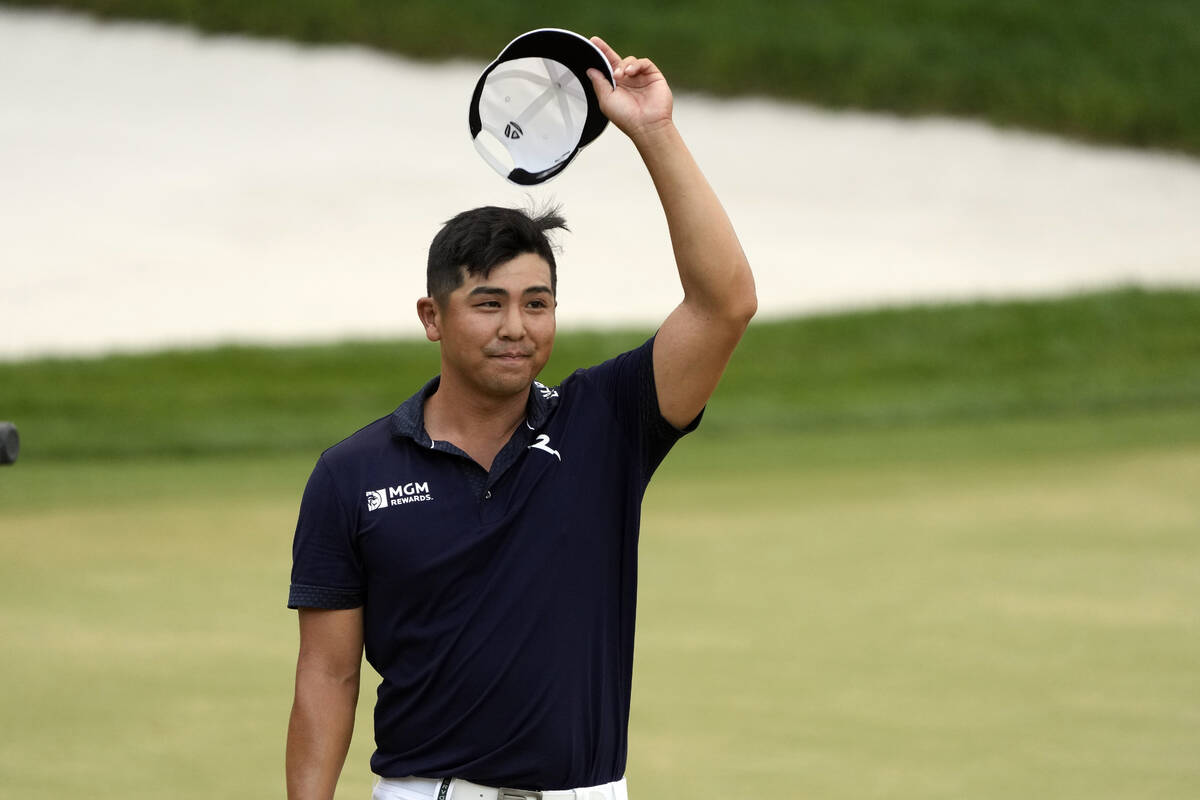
x,y
399,495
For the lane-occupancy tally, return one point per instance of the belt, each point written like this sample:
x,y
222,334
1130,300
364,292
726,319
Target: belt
x,y
459,789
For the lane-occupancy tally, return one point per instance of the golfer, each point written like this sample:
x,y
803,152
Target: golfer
x,y
481,541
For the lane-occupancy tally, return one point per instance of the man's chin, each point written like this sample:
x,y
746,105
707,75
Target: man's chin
x,y
509,381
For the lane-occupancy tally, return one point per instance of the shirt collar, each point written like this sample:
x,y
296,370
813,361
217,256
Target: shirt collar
x,y
408,421
542,402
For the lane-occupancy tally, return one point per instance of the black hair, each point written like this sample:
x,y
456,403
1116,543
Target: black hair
x,y
483,238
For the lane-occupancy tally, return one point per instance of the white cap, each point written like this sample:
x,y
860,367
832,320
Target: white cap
x,y
534,106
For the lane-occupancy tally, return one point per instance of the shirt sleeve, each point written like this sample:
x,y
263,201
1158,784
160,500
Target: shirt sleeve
x,y
628,382
327,567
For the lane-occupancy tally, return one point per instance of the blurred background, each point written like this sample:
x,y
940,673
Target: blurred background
x,y
939,534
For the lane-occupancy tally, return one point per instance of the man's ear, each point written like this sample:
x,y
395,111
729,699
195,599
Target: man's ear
x,y
431,318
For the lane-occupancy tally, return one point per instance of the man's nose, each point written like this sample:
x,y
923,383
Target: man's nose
x,y
512,324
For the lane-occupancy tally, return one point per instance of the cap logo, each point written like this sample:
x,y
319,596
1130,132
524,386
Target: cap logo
x,y
513,131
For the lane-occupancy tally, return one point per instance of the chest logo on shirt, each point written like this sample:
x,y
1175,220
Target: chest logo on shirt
x,y
543,444
399,495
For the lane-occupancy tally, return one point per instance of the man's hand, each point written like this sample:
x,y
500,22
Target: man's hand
x,y
641,101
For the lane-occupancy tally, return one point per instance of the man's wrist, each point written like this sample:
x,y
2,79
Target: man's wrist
x,y
656,137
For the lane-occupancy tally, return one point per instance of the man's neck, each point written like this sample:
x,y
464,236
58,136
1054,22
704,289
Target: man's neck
x,y
478,425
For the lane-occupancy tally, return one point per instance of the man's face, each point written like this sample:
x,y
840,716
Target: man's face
x,y
496,332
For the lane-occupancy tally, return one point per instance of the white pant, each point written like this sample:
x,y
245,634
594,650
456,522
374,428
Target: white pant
x,y
428,788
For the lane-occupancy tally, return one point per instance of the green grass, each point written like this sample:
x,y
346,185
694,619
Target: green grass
x,y
1101,354
914,553
1109,70
970,628
991,610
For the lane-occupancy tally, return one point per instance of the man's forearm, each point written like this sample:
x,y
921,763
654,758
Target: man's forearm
x,y
319,732
712,266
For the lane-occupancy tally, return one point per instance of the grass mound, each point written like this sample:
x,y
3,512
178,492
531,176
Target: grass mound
x,y
1119,352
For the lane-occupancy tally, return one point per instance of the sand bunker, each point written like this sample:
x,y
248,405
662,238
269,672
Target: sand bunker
x,y
162,188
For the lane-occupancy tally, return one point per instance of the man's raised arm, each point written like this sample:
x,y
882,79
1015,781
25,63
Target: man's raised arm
x,y
695,342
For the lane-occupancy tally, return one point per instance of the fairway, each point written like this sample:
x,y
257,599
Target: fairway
x,y
996,610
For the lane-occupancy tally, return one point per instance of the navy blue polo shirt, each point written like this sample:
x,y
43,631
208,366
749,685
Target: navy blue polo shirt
x,y
498,606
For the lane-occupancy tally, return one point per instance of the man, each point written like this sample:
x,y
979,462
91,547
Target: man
x,y
482,539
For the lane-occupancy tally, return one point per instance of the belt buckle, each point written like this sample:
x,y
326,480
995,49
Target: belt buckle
x,y
517,794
